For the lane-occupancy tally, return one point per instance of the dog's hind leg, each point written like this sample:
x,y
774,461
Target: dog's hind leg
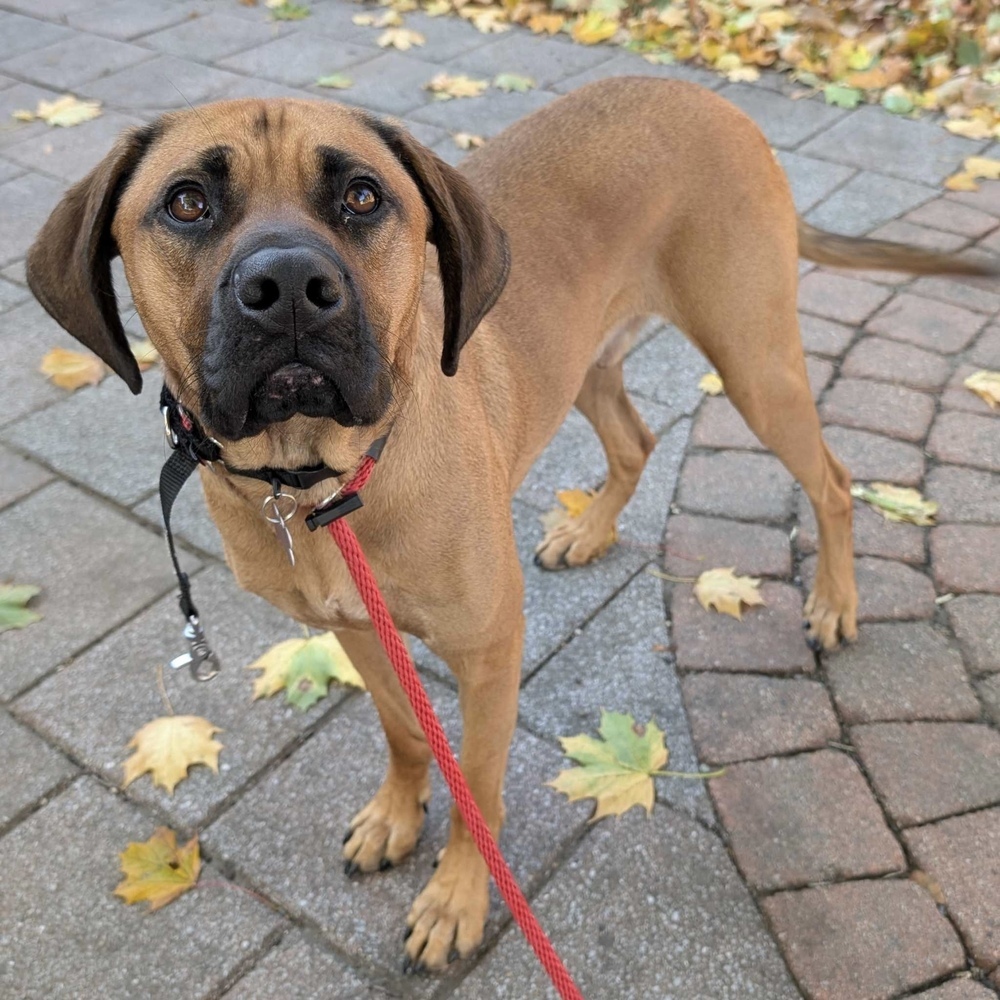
x,y
386,830
627,443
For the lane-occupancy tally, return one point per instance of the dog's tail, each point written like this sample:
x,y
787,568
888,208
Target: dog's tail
x,y
881,255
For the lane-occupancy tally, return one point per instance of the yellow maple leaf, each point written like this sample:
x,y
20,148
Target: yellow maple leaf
x,y
970,128
961,182
711,384
466,140
145,354
390,19
592,28
722,590
72,369
400,38
488,20
444,86
168,746
897,503
986,385
617,770
63,112
303,668
157,870
437,8
572,504
975,168
363,20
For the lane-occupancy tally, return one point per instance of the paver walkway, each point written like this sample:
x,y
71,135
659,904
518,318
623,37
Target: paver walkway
x,y
852,849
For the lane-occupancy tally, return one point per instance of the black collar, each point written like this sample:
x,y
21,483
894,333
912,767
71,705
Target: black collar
x,y
185,434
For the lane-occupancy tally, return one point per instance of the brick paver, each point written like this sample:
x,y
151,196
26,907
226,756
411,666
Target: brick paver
x,y
918,697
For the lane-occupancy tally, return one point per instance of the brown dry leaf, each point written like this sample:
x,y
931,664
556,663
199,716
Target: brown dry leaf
x,y
400,38
897,503
986,385
711,384
72,369
157,870
722,590
549,24
444,86
168,746
466,140
64,112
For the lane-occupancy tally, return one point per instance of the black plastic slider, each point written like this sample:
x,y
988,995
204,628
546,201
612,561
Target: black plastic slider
x,y
323,516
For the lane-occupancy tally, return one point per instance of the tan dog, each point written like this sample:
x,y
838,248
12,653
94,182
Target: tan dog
x,y
277,253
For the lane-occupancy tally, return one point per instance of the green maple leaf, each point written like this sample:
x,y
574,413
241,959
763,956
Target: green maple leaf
x,y
14,612
512,82
617,770
338,81
842,97
304,668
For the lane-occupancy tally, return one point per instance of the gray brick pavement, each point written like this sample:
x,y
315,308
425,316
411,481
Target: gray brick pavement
x,y
77,686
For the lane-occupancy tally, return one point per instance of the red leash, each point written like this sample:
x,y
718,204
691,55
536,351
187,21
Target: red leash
x,y
402,663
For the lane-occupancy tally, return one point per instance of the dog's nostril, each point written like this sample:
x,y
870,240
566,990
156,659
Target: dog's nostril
x,y
260,294
322,293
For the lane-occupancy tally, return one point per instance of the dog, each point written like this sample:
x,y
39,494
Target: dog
x,y
310,274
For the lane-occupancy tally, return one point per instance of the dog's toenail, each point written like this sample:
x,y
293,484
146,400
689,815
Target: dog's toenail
x,y
805,624
426,807
348,835
384,865
407,965
814,644
407,933
351,868
453,956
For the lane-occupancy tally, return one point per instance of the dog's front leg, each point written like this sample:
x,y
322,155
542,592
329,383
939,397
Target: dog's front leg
x,y
386,830
448,916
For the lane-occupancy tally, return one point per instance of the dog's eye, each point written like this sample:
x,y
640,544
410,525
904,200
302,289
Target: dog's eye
x,y
188,204
361,198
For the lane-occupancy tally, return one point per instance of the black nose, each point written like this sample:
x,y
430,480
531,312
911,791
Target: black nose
x,y
285,285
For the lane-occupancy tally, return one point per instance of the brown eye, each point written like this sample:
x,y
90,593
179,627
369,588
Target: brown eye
x,y
361,198
188,204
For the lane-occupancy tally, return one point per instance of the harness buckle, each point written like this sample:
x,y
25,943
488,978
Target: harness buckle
x,y
200,657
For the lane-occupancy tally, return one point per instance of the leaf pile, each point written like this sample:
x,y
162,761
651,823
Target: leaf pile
x,y
908,55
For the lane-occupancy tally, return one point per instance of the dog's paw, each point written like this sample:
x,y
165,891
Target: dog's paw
x,y
827,621
574,543
386,830
446,920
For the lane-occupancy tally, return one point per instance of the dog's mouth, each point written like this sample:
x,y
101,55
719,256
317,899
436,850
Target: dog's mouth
x,y
295,388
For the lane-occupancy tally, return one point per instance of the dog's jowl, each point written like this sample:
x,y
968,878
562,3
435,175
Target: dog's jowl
x,y
312,276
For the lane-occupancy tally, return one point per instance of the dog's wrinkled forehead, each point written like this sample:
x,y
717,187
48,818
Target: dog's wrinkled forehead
x,y
266,157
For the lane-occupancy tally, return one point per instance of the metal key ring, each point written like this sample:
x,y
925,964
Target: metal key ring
x,y
280,518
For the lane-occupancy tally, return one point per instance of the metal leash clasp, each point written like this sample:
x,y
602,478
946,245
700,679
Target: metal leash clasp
x,y
200,657
278,519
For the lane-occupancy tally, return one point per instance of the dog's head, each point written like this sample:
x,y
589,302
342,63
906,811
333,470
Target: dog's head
x,y
275,251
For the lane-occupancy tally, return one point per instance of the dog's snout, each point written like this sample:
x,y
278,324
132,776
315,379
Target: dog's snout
x,y
281,283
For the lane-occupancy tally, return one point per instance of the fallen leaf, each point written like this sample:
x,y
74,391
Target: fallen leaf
x,y
466,140
961,182
168,746
338,81
617,770
304,668
549,24
970,128
986,385
157,870
592,28
711,384
390,19
444,86
488,20
437,8
72,369
400,38
572,505
897,503
14,610
975,168
722,590
511,82
363,20
285,10
841,96
64,112
145,354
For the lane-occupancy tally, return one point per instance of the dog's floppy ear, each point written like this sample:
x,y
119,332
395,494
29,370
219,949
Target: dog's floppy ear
x,y
69,264
473,256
